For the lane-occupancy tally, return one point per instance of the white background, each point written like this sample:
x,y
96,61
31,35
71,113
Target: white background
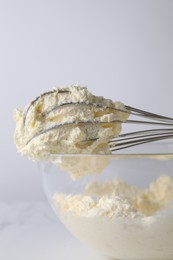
x,y
120,49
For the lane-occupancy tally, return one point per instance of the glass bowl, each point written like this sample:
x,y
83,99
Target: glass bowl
x,y
121,206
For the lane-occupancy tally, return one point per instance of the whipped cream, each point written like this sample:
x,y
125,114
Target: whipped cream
x,y
67,120
120,220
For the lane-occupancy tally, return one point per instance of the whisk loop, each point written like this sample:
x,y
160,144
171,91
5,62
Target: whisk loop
x,y
121,141
130,139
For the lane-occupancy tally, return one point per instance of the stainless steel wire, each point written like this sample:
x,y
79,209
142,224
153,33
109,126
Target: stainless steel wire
x,y
135,138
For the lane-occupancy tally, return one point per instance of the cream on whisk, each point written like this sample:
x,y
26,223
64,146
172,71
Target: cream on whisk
x,y
67,120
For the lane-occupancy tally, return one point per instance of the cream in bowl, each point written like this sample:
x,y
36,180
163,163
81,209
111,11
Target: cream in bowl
x,y
125,211
119,204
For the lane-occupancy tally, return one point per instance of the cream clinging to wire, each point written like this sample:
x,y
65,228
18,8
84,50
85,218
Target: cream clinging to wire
x,y
68,120
72,120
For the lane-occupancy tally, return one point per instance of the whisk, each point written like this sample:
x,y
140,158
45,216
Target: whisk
x,y
130,139
124,140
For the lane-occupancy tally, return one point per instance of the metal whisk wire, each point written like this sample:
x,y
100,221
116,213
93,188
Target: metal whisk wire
x,y
130,139
119,142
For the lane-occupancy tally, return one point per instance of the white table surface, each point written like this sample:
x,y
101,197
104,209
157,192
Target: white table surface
x,y
31,231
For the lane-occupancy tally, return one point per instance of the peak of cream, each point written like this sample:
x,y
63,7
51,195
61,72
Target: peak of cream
x,y
67,120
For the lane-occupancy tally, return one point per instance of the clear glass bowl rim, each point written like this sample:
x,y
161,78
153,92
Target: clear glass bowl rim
x,y
163,148
117,155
